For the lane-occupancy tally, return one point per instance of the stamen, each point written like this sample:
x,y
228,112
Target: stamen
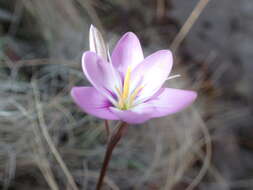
x,y
125,100
121,102
134,94
126,84
173,76
118,91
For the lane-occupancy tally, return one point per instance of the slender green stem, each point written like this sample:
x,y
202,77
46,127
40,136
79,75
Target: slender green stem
x,y
120,131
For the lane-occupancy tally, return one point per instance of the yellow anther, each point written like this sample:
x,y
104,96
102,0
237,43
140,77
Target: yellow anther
x,y
126,84
134,94
125,100
121,103
118,91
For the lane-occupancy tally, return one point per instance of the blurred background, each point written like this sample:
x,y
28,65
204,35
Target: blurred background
x,y
208,146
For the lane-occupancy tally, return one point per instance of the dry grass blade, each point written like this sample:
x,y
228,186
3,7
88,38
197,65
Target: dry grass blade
x,y
50,142
18,14
207,158
188,24
92,13
42,162
161,9
39,150
10,166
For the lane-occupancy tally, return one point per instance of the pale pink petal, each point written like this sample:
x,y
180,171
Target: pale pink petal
x,y
92,102
100,73
168,101
151,73
131,117
97,43
128,52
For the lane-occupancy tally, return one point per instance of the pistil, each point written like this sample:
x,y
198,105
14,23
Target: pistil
x,y
126,84
125,100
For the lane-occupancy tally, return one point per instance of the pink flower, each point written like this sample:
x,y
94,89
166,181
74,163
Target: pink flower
x,y
129,87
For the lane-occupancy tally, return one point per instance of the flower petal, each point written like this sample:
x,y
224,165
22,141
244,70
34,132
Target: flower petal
x,y
167,101
130,116
97,43
100,73
92,102
127,52
151,73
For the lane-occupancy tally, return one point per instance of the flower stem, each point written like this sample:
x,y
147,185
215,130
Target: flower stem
x,y
107,128
120,131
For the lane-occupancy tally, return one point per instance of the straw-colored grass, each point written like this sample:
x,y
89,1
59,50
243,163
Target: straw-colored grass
x,y
47,140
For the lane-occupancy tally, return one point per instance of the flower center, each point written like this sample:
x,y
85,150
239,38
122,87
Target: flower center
x,y
126,99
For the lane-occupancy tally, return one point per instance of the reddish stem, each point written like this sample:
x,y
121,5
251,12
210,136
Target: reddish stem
x,y
107,129
110,147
